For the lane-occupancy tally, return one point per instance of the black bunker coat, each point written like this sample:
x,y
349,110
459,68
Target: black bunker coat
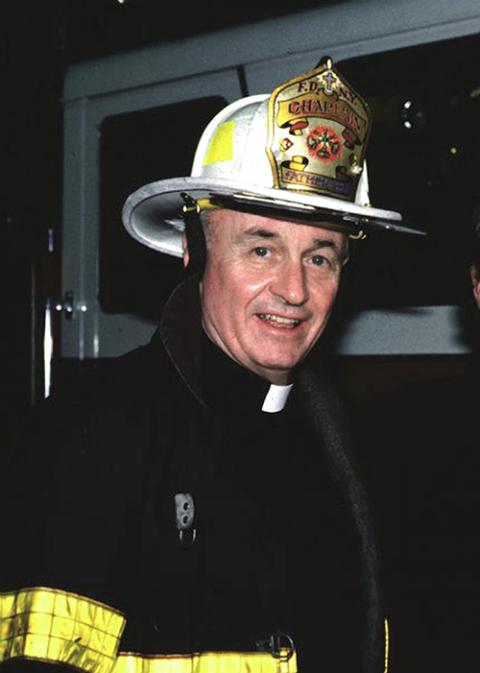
x,y
158,521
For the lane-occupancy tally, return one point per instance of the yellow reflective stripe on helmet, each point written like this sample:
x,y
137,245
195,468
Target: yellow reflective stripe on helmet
x,y
220,147
59,627
206,662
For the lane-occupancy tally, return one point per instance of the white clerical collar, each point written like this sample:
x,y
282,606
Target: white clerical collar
x,y
276,398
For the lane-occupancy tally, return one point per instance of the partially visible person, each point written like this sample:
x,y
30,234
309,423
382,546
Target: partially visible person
x,y
475,258
425,479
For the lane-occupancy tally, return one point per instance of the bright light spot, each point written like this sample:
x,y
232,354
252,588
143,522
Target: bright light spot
x,y
453,150
47,350
407,124
407,105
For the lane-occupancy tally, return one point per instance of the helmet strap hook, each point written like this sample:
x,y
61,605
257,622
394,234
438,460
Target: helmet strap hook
x,y
195,236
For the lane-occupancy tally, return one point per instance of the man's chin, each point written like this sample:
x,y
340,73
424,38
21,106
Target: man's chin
x,y
277,371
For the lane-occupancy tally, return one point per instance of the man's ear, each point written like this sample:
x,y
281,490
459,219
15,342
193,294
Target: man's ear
x,y
475,276
186,253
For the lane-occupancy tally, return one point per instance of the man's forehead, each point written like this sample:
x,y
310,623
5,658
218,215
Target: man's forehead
x,y
250,225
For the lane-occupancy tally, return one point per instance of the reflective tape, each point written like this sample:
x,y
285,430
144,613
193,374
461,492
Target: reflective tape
x,y
59,627
206,662
220,147
387,645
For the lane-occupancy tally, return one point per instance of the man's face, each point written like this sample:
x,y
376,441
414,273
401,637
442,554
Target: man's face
x,y
268,289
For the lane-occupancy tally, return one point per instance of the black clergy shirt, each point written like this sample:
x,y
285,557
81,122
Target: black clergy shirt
x,y
280,550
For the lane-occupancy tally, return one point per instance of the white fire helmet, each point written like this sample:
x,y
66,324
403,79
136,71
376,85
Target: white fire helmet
x,y
296,154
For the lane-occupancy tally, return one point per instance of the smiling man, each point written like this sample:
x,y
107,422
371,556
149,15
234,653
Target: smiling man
x,y
200,509
268,289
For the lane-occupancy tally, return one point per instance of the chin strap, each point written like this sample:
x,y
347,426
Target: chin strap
x,y
197,248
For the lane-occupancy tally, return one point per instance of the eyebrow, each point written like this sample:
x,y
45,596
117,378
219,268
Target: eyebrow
x,y
260,233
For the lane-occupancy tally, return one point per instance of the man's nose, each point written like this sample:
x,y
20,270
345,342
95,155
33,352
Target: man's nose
x,y
290,283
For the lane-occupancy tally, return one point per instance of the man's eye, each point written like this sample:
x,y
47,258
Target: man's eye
x,y
319,260
260,251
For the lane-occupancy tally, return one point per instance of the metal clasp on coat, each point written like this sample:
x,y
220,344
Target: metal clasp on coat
x,y
280,646
184,518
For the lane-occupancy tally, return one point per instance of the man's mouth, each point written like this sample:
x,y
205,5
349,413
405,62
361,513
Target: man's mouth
x,y
279,321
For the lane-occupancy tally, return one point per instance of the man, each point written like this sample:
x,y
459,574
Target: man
x,y
200,509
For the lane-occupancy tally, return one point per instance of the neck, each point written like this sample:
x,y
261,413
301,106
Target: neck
x,y
278,377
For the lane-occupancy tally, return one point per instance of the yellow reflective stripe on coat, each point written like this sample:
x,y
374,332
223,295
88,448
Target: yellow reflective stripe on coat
x,y
387,644
59,627
206,662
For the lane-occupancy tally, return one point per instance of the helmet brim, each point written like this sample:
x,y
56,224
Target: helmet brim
x,y
153,214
